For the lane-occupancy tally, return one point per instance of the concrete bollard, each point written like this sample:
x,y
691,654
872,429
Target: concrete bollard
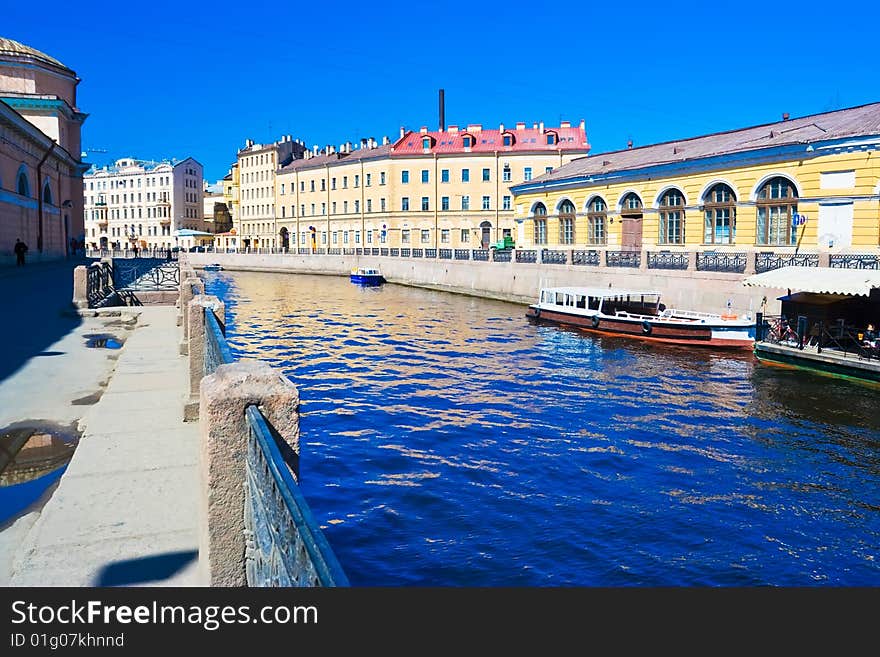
x,y
80,286
196,325
223,449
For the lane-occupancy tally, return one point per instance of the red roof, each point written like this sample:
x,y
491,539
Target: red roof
x,y
487,141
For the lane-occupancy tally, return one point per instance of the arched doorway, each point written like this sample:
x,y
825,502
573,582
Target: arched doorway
x,y
631,222
485,234
285,238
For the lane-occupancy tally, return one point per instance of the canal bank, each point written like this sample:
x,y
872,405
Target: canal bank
x,y
517,282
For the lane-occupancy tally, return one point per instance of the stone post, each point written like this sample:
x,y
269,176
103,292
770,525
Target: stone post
x,y
643,260
224,397
751,262
692,260
603,258
80,286
196,328
824,258
186,295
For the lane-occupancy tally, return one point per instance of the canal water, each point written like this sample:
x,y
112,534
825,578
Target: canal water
x,y
447,441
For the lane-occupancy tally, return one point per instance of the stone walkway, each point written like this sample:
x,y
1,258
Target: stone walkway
x,y
125,511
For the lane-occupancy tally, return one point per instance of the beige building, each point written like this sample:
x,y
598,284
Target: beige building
x,y
429,189
257,164
143,204
40,171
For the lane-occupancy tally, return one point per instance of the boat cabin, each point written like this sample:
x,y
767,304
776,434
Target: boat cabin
x,y
605,301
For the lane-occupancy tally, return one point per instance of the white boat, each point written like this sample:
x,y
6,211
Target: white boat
x,y
639,313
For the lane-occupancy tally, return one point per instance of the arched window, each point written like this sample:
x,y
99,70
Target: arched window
x,y
23,185
566,222
719,209
672,217
777,204
597,215
540,213
47,193
631,204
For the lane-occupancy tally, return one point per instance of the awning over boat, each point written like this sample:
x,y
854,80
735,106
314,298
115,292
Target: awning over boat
x,y
821,280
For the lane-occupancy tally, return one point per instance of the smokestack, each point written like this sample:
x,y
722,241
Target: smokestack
x,y
785,116
442,111
629,143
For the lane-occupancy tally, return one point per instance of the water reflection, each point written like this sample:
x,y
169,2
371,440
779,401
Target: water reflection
x,y
448,441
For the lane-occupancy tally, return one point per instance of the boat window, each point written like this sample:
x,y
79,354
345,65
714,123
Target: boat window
x,y
581,302
559,298
595,302
569,300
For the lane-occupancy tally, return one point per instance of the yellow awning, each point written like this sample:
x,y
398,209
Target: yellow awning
x,y
821,280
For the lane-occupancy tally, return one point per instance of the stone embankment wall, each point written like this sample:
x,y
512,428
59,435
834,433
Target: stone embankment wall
x,y
518,282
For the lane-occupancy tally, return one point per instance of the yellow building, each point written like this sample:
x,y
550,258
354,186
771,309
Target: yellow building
x,y
811,182
428,190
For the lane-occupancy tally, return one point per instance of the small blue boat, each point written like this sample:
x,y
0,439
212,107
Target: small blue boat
x,y
213,267
366,276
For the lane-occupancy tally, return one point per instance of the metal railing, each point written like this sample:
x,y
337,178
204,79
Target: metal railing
x,y
480,254
585,258
99,283
623,258
767,260
462,254
405,253
430,253
553,257
855,261
726,262
395,253
285,544
418,253
446,254
667,260
521,255
808,334
503,255
145,274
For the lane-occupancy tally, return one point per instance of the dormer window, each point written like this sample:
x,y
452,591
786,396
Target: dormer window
x,y
467,141
551,138
508,140
426,143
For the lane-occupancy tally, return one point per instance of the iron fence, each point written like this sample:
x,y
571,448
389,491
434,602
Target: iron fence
x,y
855,261
768,260
667,260
480,254
521,255
554,257
623,259
726,262
585,258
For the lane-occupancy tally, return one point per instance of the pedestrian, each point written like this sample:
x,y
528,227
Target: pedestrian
x,y
135,251
20,249
168,253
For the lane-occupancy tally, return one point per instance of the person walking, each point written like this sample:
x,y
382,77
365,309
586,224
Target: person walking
x,y
20,249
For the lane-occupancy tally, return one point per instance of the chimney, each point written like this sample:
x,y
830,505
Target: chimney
x,y
501,128
424,130
453,129
386,140
402,132
785,116
541,126
315,149
348,147
583,125
629,144
534,126
565,124
520,125
364,142
442,100
372,142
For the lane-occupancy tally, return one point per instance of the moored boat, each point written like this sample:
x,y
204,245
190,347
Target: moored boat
x,y
214,266
366,276
639,314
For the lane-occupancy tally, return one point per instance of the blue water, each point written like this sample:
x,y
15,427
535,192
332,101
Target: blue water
x,y
446,441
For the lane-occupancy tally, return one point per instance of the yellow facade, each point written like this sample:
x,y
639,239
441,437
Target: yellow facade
x,y
830,189
425,201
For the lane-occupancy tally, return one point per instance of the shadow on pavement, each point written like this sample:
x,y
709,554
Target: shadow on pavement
x,y
40,311
145,569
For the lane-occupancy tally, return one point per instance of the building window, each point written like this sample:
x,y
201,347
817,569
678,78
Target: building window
x,y
369,237
426,143
335,235
23,186
551,139
426,236
311,185
282,188
566,222
465,175
527,173
465,202
444,202
404,204
505,203
369,180
404,177
719,211
323,208
345,237
465,235
508,140
382,204
345,207
313,209
505,173
444,236
357,180
369,205
631,202
357,237
597,215
777,204
344,182
486,176
444,175
333,208
467,141
425,204
426,177
323,184
323,237
381,177
672,218
404,236
333,183
540,214
357,206
486,202
548,169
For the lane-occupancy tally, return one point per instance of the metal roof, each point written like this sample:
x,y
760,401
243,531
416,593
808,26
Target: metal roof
x,y
821,280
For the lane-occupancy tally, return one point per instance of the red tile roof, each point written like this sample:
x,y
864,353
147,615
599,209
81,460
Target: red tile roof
x,y
488,141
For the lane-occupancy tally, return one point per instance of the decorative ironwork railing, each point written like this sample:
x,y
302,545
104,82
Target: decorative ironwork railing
x,y
98,283
383,251
284,543
521,256
446,254
417,253
405,253
667,260
145,274
319,251
727,262
430,253
480,254
304,251
462,254
374,251
623,258
855,261
767,260
585,258
502,256
553,257
359,251
395,253
347,251
334,251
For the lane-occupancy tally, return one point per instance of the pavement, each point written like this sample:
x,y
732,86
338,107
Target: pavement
x,y
124,513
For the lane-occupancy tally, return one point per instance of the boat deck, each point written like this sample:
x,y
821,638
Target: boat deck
x,y
830,361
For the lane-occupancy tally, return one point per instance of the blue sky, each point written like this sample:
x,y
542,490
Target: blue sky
x,y
175,79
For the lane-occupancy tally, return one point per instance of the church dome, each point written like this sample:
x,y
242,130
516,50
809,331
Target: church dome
x,y
13,49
